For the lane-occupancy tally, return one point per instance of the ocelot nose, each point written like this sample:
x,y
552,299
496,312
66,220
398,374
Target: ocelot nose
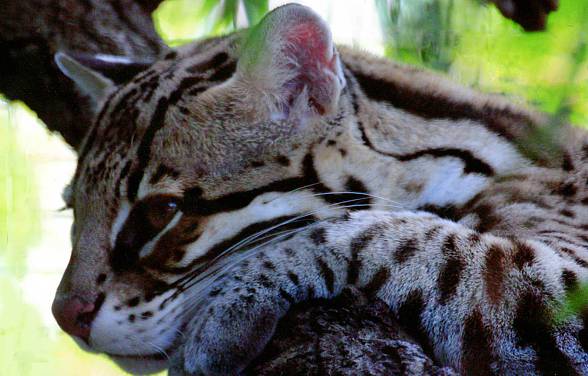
x,y
75,314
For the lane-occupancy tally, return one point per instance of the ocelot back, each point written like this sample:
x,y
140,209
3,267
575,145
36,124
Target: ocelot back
x,y
242,174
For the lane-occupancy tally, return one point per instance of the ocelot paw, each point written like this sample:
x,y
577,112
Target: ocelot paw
x,y
226,335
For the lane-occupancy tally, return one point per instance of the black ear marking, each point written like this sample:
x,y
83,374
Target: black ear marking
x,y
119,69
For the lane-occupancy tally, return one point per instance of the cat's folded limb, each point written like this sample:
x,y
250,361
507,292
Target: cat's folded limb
x,y
474,301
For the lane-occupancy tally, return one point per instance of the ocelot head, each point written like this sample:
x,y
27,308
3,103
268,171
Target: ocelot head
x,y
205,154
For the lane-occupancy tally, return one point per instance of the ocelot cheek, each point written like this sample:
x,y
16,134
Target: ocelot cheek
x,y
171,247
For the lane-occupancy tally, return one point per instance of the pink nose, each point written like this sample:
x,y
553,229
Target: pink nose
x,y
75,315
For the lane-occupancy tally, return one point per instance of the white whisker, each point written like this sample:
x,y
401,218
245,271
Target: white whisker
x,y
361,194
203,282
158,349
243,243
138,340
294,191
339,205
217,271
253,237
280,235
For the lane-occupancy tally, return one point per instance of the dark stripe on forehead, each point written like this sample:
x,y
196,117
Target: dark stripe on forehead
x,y
147,74
123,115
128,100
224,73
218,59
158,121
162,172
145,148
91,136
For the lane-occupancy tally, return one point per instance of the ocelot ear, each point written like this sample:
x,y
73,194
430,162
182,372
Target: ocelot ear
x,y
97,74
291,60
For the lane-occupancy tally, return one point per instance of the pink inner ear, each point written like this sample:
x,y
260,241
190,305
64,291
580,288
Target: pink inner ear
x,y
307,49
308,44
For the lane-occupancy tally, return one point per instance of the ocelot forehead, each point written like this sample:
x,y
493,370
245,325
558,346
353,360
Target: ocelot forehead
x,y
132,131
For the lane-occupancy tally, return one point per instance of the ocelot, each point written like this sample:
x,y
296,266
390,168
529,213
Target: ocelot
x,y
242,174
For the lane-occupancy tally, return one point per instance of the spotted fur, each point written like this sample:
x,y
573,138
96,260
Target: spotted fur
x,y
242,174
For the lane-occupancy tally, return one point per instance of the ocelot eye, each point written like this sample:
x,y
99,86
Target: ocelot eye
x,y
160,210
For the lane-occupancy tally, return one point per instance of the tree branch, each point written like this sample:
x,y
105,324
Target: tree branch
x,y
28,44
349,335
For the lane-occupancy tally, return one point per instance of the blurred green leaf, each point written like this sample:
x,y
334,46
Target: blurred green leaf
x,y
575,303
181,21
227,18
255,10
418,31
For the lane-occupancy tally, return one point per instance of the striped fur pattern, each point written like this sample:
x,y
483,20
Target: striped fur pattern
x,y
242,174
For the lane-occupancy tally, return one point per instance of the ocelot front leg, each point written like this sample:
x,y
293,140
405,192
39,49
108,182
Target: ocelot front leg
x,y
480,303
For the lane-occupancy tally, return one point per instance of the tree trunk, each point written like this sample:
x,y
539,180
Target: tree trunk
x,y
344,336
31,31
